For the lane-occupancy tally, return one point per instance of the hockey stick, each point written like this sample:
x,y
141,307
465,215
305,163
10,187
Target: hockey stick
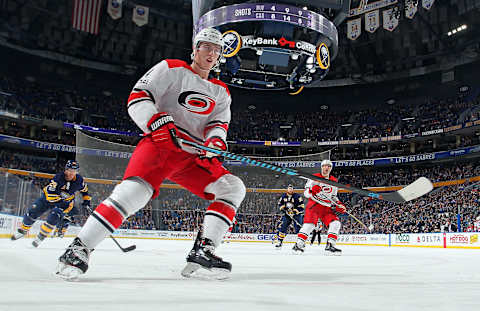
x,y
294,220
359,221
412,191
124,249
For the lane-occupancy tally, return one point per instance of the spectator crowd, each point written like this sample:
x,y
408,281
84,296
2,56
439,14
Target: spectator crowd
x,y
31,100
178,210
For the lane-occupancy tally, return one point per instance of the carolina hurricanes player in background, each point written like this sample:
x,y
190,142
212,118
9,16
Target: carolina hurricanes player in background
x,y
173,99
322,203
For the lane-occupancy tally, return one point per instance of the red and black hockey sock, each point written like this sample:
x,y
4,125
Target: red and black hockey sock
x,y
107,217
332,238
110,215
218,218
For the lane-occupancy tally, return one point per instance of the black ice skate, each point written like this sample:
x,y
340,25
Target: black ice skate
x,y
39,239
297,249
19,234
202,256
332,250
74,261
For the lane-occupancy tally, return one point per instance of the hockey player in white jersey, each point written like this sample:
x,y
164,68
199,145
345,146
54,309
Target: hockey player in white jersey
x,y
173,99
322,204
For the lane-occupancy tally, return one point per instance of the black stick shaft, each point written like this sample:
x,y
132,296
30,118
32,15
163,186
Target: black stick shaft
x,y
288,171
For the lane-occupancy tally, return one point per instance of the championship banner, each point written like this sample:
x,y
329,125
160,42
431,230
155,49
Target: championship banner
x,y
390,22
371,6
354,28
372,21
140,15
411,8
427,4
115,8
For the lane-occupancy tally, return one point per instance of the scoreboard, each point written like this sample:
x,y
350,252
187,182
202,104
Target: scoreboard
x,y
259,12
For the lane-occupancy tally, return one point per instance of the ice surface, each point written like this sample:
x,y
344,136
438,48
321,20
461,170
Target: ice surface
x,y
148,278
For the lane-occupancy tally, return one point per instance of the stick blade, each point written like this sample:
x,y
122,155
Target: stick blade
x,y
129,249
419,187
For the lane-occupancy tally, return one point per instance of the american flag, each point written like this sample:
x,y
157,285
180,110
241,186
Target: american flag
x,y
86,15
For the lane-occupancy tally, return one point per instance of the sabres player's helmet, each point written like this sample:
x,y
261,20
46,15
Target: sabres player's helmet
x,y
72,164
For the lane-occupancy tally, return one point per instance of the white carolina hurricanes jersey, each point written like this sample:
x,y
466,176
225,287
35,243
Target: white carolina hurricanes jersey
x,y
200,108
476,226
327,196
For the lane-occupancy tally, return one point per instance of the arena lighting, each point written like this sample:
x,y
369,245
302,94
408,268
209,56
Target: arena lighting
x,y
346,124
294,56
456,30
408,119
270,84
259,52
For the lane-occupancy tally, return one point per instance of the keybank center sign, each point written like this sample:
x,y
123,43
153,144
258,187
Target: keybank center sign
x,y
252,41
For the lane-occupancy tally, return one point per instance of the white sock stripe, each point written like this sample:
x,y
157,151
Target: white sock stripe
x,y
218,214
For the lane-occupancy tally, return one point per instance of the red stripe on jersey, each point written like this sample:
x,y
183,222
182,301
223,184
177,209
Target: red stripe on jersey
x,y
110,214
136,95
332,236
221,125
175,63
302,236
331,177
223,209
218,82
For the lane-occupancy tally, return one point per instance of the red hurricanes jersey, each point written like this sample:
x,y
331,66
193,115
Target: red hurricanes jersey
x,y
327,196
200,108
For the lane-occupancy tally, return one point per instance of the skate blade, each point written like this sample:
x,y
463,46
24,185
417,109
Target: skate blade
x,y
68,273
220,274
189,269
194,270
14,238
327,253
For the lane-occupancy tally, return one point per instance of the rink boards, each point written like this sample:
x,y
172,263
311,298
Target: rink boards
x,y
469,240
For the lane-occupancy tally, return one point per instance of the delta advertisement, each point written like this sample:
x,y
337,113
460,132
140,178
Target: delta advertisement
x,y
464,240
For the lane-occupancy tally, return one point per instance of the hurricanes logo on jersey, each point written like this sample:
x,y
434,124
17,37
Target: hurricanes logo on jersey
x,y
196,102
327,189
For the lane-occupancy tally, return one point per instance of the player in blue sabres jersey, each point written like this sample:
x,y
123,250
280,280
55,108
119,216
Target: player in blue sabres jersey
x,y
58,197
292,205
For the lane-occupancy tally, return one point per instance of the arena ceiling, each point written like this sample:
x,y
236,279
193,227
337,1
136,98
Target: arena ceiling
x,y
421,42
